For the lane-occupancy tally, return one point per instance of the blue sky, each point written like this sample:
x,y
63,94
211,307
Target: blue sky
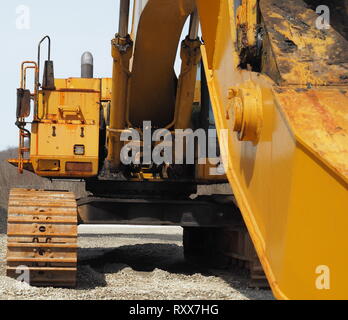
x,y
74,26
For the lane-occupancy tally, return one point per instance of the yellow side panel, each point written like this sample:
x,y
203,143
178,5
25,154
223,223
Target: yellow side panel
x,y
106,89
77,83
63,105
66,136
68,118
290,185
103,85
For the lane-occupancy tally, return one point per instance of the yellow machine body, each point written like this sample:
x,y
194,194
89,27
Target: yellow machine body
x,y
286,153
65,139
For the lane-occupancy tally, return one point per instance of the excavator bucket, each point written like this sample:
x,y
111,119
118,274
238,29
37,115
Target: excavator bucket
x,y
286,150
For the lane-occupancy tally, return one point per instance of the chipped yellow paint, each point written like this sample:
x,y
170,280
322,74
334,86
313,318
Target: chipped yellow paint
x,y
319,119
304,54
247,17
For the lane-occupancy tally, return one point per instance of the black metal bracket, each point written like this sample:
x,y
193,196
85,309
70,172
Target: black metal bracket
x,y
200,212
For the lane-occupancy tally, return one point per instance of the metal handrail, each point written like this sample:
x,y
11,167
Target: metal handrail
x,y
37,80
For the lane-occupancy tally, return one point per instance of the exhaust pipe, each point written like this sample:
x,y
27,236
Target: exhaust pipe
x,y
87,65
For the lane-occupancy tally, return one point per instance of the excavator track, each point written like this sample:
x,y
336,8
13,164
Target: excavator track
x,y
237,245
42,237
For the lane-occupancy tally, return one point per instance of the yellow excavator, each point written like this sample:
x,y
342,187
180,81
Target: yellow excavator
x,y
270,78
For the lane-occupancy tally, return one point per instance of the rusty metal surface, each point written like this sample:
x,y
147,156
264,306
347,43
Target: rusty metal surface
x,y
79,167
42,236
319,119
27,165
303,53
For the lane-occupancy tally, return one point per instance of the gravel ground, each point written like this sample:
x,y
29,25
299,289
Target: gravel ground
x,y
126,263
